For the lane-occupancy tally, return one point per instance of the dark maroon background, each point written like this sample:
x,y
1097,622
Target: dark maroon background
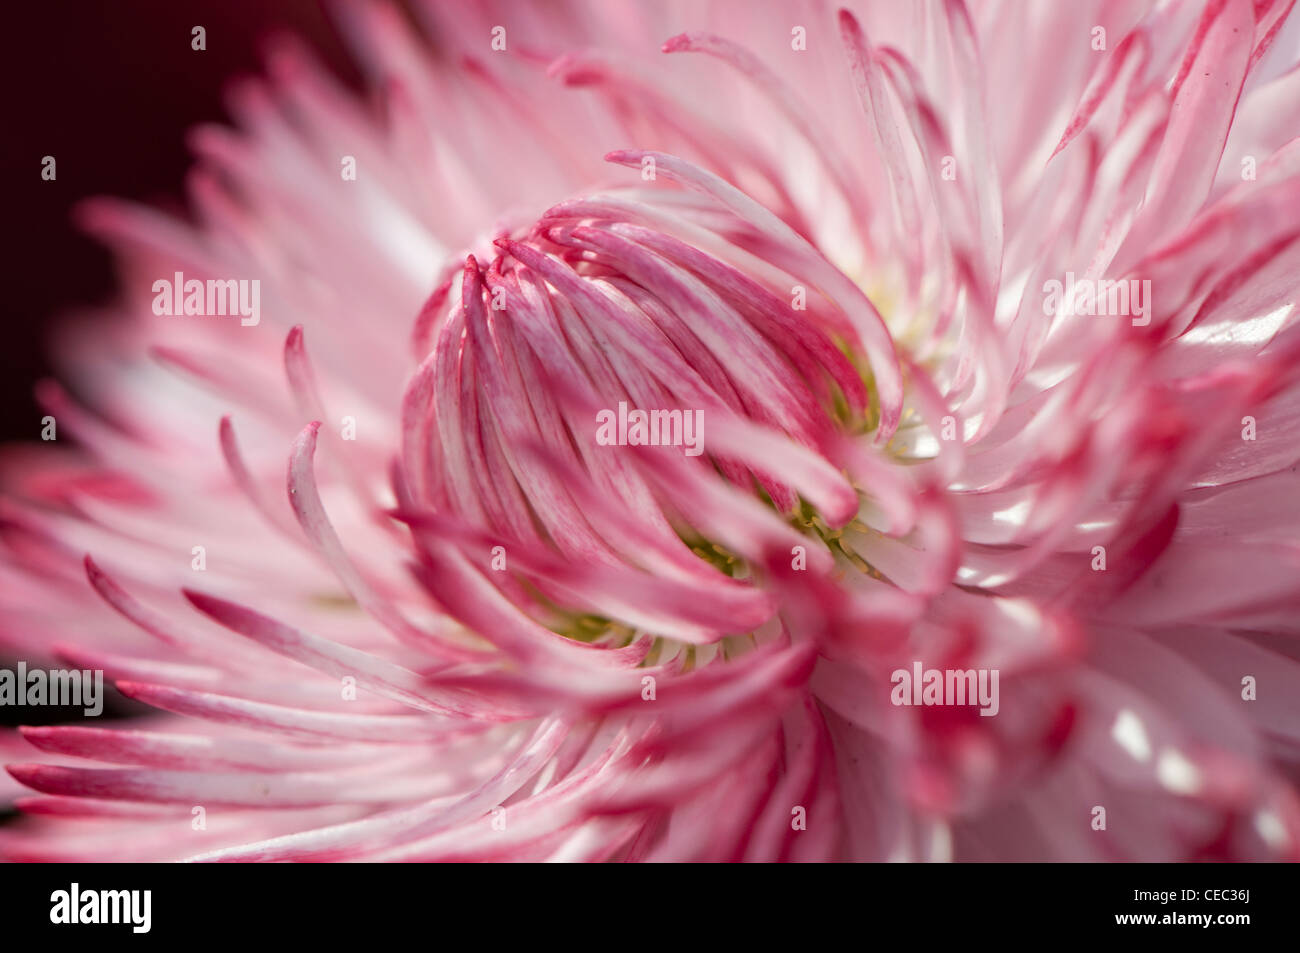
x,y
107,87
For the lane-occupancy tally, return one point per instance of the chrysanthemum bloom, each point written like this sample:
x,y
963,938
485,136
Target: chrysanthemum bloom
x,y
494,618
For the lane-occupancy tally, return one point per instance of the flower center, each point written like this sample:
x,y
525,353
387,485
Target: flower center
x,y
620,391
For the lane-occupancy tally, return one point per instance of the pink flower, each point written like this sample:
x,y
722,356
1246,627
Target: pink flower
x,y
978,329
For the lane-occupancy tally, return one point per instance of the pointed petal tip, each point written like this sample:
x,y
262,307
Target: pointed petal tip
x,y
851,32
96,214
195,598
75,655
138,691
27,774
